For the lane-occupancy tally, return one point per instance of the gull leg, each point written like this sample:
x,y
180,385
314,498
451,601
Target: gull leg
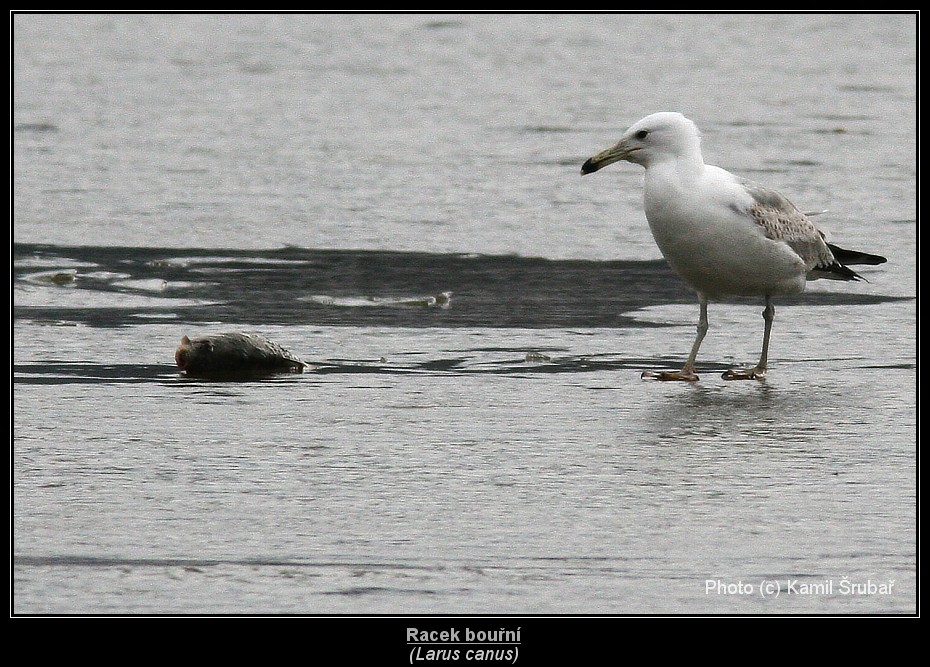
x,y
687,371
758,372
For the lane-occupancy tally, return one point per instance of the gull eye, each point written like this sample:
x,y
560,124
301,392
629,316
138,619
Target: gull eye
x,y
642,134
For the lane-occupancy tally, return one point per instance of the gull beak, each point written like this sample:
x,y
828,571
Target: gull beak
x,y
604,158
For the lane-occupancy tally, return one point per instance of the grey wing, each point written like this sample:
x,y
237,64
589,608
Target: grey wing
x,y
780,220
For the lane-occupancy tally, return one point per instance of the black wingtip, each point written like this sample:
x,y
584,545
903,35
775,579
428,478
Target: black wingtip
x,y
844,272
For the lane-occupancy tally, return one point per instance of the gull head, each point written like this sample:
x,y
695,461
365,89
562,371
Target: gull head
x,y
662,135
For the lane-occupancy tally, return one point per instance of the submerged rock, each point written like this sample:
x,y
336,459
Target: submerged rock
x,y
235,354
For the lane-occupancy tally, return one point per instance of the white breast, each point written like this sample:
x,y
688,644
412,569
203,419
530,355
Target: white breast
x,y
697,219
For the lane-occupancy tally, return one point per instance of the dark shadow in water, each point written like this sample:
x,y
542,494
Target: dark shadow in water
x,y
295,286
62,372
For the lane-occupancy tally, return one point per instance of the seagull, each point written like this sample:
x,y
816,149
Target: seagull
x,y
725,235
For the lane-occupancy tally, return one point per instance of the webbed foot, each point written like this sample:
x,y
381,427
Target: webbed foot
x,y
682,375
750,374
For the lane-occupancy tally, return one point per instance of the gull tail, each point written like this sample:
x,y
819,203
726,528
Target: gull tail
x,y
844,256
838,269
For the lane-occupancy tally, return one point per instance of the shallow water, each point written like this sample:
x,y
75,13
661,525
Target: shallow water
x,y
319,179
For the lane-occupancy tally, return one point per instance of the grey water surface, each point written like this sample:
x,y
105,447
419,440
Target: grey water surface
x,y
397,199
